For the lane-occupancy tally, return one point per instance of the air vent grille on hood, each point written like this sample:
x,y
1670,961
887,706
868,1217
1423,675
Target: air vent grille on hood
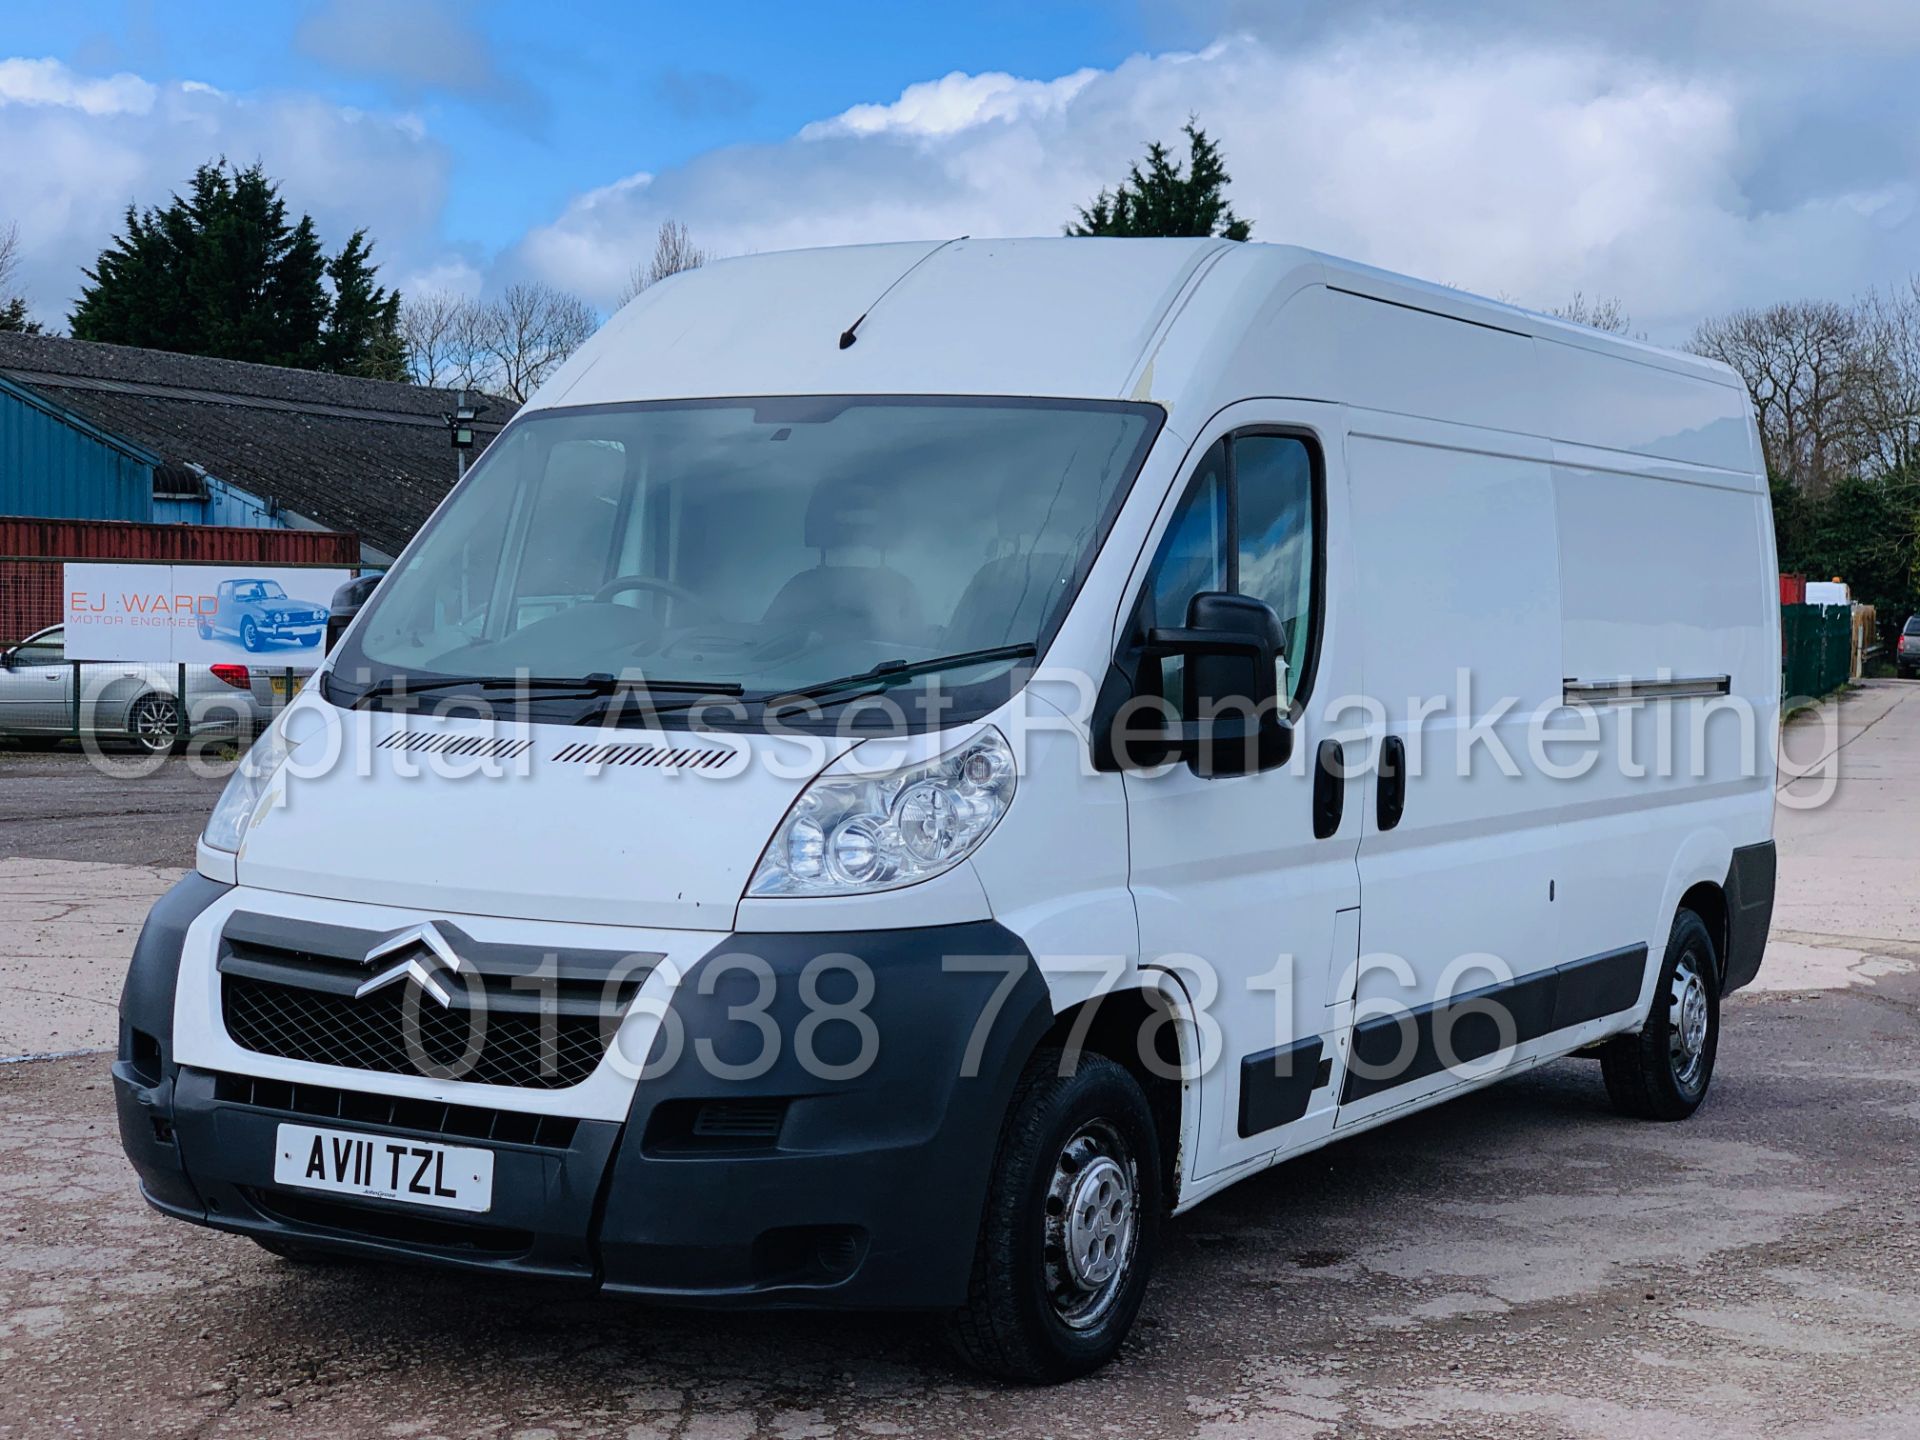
x,y
464,746
684,757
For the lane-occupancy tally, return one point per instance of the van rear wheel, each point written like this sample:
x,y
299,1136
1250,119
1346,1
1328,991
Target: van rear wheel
x,y
1662,1073
1071,1225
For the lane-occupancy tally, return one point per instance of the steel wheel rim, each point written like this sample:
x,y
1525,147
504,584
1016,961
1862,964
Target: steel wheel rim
x,y
1092,1224
1689,1024
155,722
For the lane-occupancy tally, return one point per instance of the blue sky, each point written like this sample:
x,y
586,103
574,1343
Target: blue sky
x,y
1682,158
564,97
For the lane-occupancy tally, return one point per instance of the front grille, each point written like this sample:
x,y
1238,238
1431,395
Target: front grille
x,y
521,1016
398,1112
519,1048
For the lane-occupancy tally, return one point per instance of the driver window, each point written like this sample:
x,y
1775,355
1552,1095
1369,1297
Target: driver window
x,y
1245,525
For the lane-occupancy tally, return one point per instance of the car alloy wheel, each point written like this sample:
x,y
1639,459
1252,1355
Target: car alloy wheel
x,y
154,723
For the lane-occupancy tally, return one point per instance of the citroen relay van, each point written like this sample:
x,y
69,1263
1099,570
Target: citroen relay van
x,y
905,767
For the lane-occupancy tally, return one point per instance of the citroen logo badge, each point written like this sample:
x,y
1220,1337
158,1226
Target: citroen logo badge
x,y
430,954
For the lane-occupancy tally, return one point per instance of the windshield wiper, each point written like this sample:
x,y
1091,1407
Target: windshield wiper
x,y
614,690
888,671
586,687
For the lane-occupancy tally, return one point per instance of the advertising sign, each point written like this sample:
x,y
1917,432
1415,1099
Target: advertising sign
x,y
198,614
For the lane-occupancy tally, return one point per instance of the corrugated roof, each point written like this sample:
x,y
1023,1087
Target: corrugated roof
x,y
370,456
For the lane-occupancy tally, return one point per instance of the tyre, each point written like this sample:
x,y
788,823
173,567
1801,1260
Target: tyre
x,y
153,723
1662,1073
1071,1227
250,635
206,631
309,641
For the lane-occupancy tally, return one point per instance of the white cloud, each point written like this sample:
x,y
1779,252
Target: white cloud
x,y
76,151
1532,167
953,103
48,82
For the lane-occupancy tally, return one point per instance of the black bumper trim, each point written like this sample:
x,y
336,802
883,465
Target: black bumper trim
x,y
1750,885
866,1194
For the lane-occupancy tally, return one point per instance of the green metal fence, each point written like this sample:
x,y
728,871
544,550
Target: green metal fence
x,y
1818,640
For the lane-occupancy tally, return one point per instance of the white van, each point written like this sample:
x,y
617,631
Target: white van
x,y
906,766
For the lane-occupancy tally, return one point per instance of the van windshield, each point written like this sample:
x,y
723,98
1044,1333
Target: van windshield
x,y
756,546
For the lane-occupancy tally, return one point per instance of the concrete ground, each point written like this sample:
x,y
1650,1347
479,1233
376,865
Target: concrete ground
x,y
1518,1263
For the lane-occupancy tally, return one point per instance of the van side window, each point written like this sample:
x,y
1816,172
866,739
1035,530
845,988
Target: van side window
x,y
1246,524
1192,558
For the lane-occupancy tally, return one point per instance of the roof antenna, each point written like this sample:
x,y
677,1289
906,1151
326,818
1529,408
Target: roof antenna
x,y
849,335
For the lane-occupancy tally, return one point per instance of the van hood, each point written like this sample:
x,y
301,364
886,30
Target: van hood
x,y
656,829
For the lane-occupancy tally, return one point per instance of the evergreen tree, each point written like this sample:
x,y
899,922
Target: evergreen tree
x,y
363,329
1161,200
223,271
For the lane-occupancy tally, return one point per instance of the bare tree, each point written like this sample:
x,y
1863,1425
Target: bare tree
x,y
13,304
1890,330
673,251
431,327
1808,366
1601,313
529,330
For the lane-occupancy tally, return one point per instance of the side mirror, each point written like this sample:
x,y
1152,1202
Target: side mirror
x,y
346,604
6,658
1231,646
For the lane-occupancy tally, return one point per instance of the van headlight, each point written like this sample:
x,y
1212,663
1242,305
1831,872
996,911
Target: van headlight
x,y
246,787
850,834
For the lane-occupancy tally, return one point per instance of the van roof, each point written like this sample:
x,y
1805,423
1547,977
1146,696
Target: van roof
x,y
1191,324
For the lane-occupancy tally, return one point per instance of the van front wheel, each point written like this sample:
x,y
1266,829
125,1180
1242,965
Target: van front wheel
x,y
1662,1073
1071,1224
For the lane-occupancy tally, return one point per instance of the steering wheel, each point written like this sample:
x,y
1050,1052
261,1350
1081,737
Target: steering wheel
x,y
619,585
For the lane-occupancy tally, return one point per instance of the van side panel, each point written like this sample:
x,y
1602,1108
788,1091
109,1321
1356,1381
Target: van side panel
x,y
1590,398
1678,784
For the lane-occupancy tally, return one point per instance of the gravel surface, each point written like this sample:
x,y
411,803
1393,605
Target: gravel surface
x,y
1518,1263
122,808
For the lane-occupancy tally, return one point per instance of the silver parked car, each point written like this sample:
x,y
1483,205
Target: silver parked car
x,y
141,703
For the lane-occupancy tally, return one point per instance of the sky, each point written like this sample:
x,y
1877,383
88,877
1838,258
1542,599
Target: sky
x,y
1685,159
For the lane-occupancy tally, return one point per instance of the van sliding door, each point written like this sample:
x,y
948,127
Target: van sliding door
x,y
1458,595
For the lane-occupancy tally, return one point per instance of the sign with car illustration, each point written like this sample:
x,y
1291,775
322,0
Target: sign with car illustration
x,y
198,613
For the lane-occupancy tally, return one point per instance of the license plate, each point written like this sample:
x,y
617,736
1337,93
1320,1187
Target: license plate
x,y
285,686
379,1167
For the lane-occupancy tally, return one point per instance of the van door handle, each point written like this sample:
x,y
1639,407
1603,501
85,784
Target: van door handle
x,y
1329,788
1391,799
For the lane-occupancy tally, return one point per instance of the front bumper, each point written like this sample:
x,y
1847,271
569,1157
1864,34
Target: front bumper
x,y
820,1183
